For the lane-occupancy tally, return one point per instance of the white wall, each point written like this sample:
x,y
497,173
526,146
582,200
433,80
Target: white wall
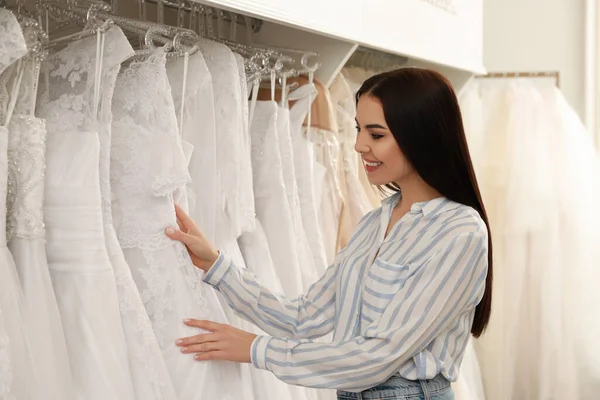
x,y
538,35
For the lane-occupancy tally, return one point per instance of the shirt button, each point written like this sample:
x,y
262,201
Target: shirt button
x,y
416,208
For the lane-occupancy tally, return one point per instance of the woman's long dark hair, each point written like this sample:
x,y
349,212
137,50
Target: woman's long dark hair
x,y
422,112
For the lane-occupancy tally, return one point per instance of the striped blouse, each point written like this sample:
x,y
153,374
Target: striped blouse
x,y
398,305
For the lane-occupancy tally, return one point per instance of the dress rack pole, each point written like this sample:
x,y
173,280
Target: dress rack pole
x,y
524,74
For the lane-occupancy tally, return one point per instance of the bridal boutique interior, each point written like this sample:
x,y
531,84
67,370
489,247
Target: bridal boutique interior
x,y
243,113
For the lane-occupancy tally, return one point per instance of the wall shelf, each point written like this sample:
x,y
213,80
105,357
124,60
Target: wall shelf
x,y
445,35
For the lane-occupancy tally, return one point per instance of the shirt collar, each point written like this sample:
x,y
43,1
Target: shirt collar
x,y
428,208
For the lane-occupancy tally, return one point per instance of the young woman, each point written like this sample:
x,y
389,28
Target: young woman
x,y
413,283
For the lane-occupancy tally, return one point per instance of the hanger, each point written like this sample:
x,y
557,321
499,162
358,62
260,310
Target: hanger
x,y
68,13
309,70
174,40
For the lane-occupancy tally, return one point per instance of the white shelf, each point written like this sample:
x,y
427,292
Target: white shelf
x,y
333,53
448,39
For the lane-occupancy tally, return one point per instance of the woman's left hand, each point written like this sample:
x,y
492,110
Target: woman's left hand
x,y
221,342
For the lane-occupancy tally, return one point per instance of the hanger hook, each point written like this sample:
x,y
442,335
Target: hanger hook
x,y
153,33
180,36
279,63
304,62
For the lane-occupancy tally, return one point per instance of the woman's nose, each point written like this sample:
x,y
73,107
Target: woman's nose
x,y
360,146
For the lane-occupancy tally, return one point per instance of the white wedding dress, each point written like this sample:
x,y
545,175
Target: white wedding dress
x,y
26,237
147,166
255,255
343,91
82,274
272,207
305,165
357,200
236,202
192,93
519,168
308,270
193,98
151,380
18,380
327,154
578,174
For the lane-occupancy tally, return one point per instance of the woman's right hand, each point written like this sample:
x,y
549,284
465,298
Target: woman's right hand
x,y
202,252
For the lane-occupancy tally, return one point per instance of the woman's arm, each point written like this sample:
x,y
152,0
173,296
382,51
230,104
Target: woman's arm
x,y
444,287
308,316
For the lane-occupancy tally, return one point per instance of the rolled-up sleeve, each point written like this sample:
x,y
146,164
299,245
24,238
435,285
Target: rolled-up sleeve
x,y
308,316
450,283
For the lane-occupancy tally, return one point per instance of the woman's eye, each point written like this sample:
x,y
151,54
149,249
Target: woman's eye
x,y
376,136
357,129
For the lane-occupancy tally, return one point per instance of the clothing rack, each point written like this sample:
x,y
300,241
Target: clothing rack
x,y
517,74
262,61
190,6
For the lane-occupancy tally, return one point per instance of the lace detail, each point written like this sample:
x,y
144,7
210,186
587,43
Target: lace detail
x,y
157,294
161,288
26,155
69,105
70,74
147,160
147,166
12,42
146,351
12,48
191,277
156,139
151,378
27,160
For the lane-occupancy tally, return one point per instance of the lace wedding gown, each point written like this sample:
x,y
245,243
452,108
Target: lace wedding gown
x,y
147,166
82,274
18,379
151,380
26,237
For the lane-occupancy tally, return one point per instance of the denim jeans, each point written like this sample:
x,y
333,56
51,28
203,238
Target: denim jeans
x,y
397,388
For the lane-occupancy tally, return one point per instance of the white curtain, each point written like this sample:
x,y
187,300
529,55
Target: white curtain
x,y
539,177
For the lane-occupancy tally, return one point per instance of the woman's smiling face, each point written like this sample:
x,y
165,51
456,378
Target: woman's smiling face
x,y
382,157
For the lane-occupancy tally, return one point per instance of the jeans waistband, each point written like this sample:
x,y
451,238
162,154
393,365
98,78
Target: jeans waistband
x,y
397,387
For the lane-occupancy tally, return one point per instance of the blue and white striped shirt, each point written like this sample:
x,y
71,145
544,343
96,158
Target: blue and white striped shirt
x,y
401,304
